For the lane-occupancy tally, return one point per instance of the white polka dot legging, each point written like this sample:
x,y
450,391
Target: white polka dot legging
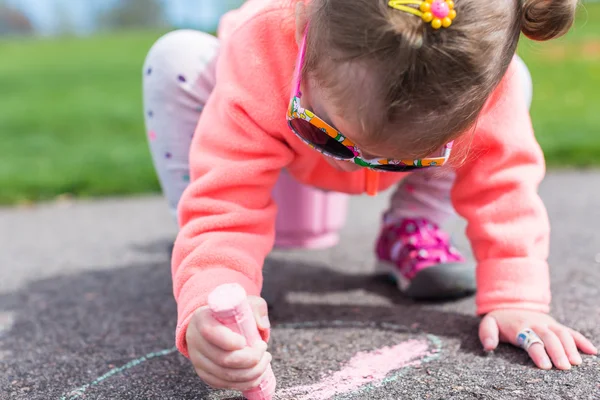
x,y
179,75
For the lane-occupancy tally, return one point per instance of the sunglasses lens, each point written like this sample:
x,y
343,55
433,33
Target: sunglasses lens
x,y
320,139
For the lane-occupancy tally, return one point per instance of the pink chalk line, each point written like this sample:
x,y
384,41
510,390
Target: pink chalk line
x,y
367,370
411,358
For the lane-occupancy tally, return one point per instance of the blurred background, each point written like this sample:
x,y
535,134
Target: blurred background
x,y
71,121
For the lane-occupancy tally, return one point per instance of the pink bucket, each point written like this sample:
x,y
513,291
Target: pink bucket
x,y
307,218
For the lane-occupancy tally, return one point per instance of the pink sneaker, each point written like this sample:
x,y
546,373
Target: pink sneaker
x,y
418,254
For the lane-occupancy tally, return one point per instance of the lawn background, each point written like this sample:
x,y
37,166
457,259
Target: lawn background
x,y
71,118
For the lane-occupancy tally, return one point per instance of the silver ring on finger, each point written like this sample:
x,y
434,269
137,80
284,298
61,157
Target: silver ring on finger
x,y
527,338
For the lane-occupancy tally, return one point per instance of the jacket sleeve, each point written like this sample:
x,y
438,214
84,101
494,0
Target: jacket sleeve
x,y
226,214
496,192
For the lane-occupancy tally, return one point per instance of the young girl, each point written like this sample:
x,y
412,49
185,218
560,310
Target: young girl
x,y
381,90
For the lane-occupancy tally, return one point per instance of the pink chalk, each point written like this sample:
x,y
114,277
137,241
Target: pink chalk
x,y
229,306
364,368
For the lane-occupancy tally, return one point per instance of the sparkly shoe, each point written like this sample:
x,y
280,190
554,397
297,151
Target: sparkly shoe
x,y
418,254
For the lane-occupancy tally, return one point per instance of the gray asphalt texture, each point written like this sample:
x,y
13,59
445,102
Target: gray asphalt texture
x,y
85,288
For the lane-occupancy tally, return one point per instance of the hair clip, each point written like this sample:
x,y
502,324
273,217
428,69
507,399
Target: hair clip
x,y
440,13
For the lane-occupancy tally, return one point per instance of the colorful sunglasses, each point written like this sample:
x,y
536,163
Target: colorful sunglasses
x,y
324,138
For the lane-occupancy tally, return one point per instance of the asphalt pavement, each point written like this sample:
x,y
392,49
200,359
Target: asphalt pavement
x,y
86,309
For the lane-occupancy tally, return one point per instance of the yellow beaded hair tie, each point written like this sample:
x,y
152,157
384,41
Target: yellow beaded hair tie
x,y
440,13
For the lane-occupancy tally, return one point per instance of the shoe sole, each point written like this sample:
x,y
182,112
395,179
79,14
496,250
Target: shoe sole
x,y
443,281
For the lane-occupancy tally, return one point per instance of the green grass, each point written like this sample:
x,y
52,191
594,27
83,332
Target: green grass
x,y
566,102
71,118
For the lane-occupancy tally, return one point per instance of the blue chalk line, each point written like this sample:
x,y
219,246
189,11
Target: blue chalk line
x,y
435,354
81,390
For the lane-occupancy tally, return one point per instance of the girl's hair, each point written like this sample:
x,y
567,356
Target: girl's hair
x,y
429,84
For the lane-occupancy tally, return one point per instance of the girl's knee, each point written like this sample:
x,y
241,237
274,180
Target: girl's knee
x,y
180,47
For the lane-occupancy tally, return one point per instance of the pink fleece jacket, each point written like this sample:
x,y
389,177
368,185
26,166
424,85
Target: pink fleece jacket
x,y
242,142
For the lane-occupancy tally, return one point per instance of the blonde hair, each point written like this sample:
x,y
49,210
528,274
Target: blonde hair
x,y
429,84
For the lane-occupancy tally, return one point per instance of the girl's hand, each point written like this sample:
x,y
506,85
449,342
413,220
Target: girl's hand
x,y
220,356
560,343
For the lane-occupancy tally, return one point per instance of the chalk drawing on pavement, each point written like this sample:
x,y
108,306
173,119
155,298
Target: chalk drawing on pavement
x,y
366,371
363,373
80,391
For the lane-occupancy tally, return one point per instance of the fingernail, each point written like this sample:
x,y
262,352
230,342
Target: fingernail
x,y
546,364
265,323
578,360
488,344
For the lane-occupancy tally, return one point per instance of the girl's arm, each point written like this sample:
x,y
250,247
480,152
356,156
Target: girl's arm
x,y
227,215
496,191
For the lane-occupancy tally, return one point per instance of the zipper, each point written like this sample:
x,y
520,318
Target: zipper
x,y
371,182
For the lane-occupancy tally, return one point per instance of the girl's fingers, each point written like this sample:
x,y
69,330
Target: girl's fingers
x,y
538,355
219,383
568,344
261,312
216,333
489,333
583,343
245,358
554,348
232,376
